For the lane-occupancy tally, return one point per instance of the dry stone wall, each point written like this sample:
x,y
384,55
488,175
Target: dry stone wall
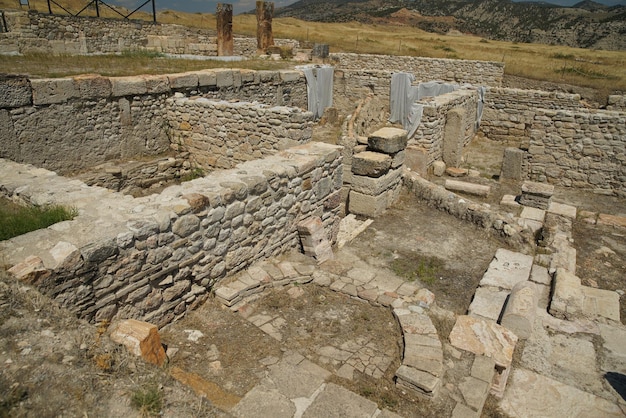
x,y
68,124
32,32
222,134
156,257
577,149
485,73
431,133
568,144
509,113
616,103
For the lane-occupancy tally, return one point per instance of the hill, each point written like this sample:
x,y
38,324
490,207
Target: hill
x,y
585,25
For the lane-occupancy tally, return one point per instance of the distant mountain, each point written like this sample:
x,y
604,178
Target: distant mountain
x,y
587,24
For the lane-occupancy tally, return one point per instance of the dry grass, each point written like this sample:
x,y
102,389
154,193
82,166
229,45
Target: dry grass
x,y
603,70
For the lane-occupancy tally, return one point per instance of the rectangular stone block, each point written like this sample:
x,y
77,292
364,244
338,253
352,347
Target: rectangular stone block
x,y
207,78
507,269
512,164
371,164
92,87
183,80
567,298
375,186
128,86
157,84
53,90
388,140
362,204
225,78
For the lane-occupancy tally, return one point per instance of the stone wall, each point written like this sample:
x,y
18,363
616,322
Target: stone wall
x,y
156,257
486,73
430,134
355,85
508,113
68,124
222,134
617,103
579,149
32,32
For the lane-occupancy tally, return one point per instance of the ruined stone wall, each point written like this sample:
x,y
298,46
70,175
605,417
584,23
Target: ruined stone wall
x,y
68,124
430,133
509,113
222,134
579,149
355,85
156,257
617,103
32,32
484,73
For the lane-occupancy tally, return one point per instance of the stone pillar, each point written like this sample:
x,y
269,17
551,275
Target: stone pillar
x,y
520,311
224,15
453,137
264,15
512,164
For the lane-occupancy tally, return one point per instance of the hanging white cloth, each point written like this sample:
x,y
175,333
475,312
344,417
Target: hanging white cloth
x,y
319,88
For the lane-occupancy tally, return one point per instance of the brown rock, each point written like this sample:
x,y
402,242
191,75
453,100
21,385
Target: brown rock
x,y
31,270
141,338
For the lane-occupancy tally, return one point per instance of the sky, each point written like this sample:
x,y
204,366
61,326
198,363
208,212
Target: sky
x,y
240,6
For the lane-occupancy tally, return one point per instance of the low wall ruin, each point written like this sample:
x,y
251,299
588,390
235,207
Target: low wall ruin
x,y
106,118
32,32
222,134
567,144
154,258
485,73
579,149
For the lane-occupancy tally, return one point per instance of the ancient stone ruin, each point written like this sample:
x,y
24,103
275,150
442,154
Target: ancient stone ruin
x,y
267,188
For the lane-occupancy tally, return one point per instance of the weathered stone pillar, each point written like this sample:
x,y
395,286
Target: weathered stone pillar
x,y
264,15
453,137
224,16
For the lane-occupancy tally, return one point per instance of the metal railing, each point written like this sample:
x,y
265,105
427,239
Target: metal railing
x,y
98,3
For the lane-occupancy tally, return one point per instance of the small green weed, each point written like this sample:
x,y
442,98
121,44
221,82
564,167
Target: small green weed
x,y
148,400
424,269
195,173
17,220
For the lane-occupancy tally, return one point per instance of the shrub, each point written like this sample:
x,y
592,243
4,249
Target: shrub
x,y
17,220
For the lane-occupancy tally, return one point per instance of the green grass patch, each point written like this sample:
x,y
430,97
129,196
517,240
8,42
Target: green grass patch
x,y
16,220
424,269
562,56
148,400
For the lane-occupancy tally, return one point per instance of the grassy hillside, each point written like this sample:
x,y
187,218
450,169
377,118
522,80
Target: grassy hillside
x,y
603,70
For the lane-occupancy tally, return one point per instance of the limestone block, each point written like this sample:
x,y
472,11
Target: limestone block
x,y
15,91
31,270
141,338
506,269
512,164
488,303
157,84
417,160
600,303
484,338
420,382
65,255
537,195
567,298
206,78
469,188
290,76
371,164
509,200
183,80
49,91
388,140
540,275
9,145
128,86
362,204
561,209
533,214
454,137
225,78
456,172
520,311
92,86
375,186
439,168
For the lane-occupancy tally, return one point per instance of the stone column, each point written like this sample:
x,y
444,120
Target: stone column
x,y
224,16
264,15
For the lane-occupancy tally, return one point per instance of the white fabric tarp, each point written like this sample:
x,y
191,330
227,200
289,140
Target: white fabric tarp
x,y
403,97
319,88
